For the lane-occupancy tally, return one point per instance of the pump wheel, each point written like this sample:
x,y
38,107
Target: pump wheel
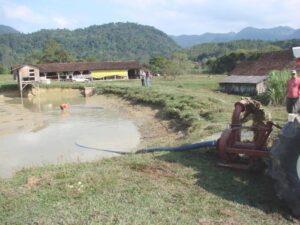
x,y
285,166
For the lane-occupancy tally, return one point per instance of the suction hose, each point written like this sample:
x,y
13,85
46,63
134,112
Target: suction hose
x,y
186,147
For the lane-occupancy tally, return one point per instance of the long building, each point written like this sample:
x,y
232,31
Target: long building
x,y
108,70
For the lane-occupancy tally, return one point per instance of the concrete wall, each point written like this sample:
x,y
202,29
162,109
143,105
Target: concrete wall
x,y
261,88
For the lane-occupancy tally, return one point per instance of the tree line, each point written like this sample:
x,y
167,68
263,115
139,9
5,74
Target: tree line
x,y
127,41
114,41
220,58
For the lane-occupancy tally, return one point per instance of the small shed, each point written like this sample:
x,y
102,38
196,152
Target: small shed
x,y
249,77
26,75
247,85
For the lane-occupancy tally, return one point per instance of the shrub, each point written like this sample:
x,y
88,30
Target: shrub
x,y
276,87
181,107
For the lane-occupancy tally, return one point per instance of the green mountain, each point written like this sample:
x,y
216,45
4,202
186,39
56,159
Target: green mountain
x,y
113,41
296,34
7,30
269,34
208,50
223,57
215,50
187,41
248,33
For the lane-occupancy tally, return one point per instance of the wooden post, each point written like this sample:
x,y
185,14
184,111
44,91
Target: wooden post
x,y
20,85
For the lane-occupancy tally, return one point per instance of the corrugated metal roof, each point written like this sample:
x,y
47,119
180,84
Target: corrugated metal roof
x,y
243,79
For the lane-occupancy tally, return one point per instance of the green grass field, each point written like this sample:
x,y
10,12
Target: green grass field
x,y
154,188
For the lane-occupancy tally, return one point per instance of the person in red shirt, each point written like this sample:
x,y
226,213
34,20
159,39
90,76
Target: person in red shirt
x,y
293,88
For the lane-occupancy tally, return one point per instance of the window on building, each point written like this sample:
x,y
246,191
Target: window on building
x,y
31,72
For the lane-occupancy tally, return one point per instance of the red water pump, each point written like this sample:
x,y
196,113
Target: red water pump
x,y
232,146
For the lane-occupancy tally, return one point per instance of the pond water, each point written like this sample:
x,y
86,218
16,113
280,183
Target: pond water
x,y
37,132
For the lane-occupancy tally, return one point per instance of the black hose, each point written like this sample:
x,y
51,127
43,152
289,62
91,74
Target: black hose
x,y
103,150
186,147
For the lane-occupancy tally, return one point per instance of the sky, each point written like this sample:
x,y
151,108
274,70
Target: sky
x,y
174,17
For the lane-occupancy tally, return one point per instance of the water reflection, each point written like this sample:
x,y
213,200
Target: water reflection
x,y
44,134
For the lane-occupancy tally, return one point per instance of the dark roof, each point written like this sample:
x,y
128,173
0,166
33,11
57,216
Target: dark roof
x,y
243,79
267,62
81,66
15,67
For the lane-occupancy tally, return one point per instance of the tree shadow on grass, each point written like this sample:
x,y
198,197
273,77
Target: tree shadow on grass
x,y
242,187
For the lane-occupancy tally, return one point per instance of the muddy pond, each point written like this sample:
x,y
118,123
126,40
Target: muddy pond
x,y
36,132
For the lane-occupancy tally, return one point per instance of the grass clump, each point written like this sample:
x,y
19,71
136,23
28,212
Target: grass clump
x,y
181,107
7,83
276,86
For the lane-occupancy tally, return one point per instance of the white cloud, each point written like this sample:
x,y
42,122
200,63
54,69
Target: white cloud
x,y
62,22
170,16
24,17
157,3
22,13
199,16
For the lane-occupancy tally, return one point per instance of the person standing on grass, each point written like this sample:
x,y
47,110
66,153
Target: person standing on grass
x,y
143,77
148,81
293,88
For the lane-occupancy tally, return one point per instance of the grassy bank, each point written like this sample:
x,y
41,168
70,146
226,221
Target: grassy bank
x,y
165,188
7,83
198,115
158,188
193,101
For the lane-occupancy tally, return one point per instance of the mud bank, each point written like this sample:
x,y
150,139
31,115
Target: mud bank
x,y
153,127
34,131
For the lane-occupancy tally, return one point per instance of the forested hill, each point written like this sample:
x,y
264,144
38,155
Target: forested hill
x,y
249,33
220,58
7,30
208,50
113,41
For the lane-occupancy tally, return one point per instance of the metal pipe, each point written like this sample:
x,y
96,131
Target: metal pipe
x,y
248,152
239,108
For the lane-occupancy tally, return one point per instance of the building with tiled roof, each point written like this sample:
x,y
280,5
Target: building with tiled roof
x,y
249,77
